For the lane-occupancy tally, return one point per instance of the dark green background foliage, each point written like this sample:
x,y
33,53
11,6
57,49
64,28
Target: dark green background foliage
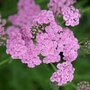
x,y
16,76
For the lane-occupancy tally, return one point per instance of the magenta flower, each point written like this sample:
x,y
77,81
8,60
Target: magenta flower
x,y
26,11
70,15
2,24
66,9
43,37
57,5
35,37
2,31
64,74
20,46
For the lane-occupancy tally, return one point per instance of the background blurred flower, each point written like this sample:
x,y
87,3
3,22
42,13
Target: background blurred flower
x,y
2,31
83,85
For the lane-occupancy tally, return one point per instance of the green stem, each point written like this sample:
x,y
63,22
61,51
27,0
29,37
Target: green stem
x,y
5,61
54,68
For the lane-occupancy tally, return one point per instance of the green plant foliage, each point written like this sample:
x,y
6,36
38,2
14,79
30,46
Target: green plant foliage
x,y
16,76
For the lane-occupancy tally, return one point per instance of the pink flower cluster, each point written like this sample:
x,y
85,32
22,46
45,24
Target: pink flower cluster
x,y
35,37
51,40
64,73
66,9
2,31
2,24
27,9
20,46
57,5
71,15
44,17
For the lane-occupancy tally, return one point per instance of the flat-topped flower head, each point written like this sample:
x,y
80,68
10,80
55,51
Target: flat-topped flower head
x,y
43,37
70,15
65,9
57,5
64,74
27,9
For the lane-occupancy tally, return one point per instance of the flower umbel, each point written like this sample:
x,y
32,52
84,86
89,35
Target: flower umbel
x,y
83,85
35,37
64,73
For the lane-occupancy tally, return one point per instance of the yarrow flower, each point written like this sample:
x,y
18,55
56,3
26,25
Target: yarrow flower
x,y
2,31
27,9
64,73
67,10
57,5
35,37
44,37
20,46
71,15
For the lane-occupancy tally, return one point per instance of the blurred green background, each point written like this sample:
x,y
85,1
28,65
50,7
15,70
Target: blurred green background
x,y
16,76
